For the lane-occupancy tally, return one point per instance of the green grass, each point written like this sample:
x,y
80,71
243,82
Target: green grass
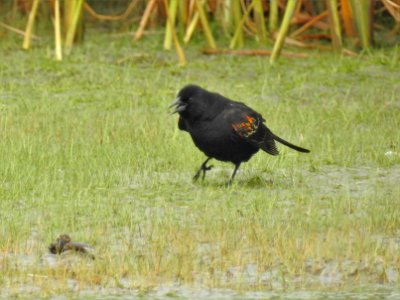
x,y
88,148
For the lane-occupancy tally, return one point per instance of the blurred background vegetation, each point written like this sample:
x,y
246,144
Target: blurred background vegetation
x,y
243,27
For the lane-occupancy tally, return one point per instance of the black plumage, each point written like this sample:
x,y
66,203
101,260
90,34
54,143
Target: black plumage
x,y
224,129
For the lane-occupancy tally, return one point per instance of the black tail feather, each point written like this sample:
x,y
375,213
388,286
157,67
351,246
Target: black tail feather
x,y
286,143
269,146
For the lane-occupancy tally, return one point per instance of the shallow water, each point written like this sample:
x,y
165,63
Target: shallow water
x,y
322,279
185,292
354,181
193,293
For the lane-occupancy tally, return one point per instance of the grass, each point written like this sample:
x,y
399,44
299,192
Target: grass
x,y
88,149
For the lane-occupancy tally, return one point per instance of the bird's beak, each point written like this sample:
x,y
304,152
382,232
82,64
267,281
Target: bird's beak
x,y
179,105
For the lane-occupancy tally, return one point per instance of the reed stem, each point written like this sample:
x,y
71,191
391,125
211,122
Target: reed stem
x,y
191,27
145,18
57,30
172,10
239,28
260,21
205,24
336,32
362,16
238,39
29,27
71,31
273,15
290,7
179,50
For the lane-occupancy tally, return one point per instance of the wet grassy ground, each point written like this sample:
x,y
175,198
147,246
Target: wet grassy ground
x,y
87,148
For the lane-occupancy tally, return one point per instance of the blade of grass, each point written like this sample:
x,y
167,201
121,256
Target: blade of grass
x,y
29,27
290,7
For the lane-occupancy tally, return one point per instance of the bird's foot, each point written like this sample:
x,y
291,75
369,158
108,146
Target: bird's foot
x,y
204,169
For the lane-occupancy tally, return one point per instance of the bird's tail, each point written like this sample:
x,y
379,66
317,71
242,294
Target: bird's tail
x,y
286,143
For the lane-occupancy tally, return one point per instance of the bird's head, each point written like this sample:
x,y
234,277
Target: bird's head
x,y
185,98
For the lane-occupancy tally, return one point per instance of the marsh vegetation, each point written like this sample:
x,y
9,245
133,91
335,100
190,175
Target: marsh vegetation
x,y
88,148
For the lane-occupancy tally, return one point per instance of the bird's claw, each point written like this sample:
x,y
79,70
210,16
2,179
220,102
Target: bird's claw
x,y
207,168
204,169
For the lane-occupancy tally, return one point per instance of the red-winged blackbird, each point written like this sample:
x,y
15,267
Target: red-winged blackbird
x,y
224,129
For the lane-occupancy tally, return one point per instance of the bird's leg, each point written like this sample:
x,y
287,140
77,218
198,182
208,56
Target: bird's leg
x,y
203,168
234,173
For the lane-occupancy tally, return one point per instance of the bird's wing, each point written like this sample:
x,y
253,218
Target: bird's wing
x,y
250,127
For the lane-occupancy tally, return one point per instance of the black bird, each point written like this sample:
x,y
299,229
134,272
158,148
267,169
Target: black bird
x,y
224,129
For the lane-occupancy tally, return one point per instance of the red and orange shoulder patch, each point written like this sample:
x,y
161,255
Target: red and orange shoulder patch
x,y
247,127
